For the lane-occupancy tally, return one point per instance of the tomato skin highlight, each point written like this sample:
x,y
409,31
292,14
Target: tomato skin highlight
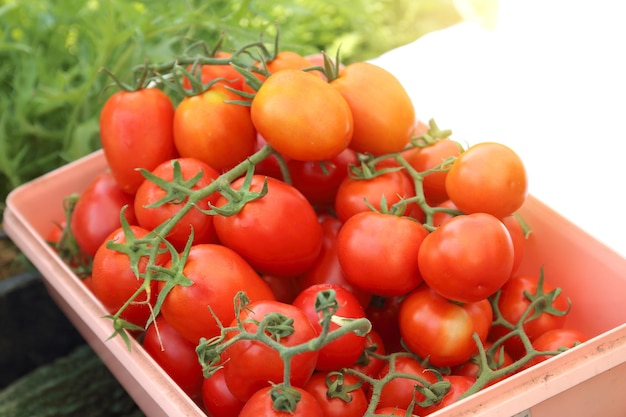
x,y
302,116
208,128
368,237
382,110
278,234
250,365
434,327
218,274
467,258
488,177
97,212
136,131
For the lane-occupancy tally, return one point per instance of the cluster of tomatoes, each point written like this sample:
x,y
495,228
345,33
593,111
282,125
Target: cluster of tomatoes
x,y
294,177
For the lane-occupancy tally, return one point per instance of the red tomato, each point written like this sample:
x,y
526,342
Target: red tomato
x,y
399,391
383,314
270,166
346,350
97,212
467,258
175,354
368,364
442,216
500,359
250,365
326,269
217,398
428,157
517,237
488,177
302,116
150,193
459,384
210,72
136,131
218,274
555,340
353,194
514,301
320,180
114,283
285,290
369,237
339,396
392,411
382,110
209,128
278,234
261,405
441,330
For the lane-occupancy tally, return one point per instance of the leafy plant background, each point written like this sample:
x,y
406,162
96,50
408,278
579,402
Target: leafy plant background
x,y
51,90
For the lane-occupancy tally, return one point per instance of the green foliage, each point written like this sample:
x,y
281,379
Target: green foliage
x,y
51,90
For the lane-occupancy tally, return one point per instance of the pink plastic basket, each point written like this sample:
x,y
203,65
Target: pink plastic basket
x,y
579,382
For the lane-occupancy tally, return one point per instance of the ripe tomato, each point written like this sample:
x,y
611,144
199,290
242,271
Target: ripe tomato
x,y
326,269
459,384
467,258
302,116
250,365
208,128
288,60
555,340
346,350
441,330
278,234
368,364
218,274
514,301
217,398
209,72
343,399
150,193
353,194
114,283
136,132
97,212
261,404
399,391
428,157
320,180
488,177
383,314
367,238
517,237
175,354
392,411
500,359
382,110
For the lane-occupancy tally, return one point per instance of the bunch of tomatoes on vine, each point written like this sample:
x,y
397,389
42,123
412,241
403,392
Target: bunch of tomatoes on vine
x,y
285,237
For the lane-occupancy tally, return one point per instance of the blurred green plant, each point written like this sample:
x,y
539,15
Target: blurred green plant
x,y
51,90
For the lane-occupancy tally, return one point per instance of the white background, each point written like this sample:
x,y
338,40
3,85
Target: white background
x,y
550,82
